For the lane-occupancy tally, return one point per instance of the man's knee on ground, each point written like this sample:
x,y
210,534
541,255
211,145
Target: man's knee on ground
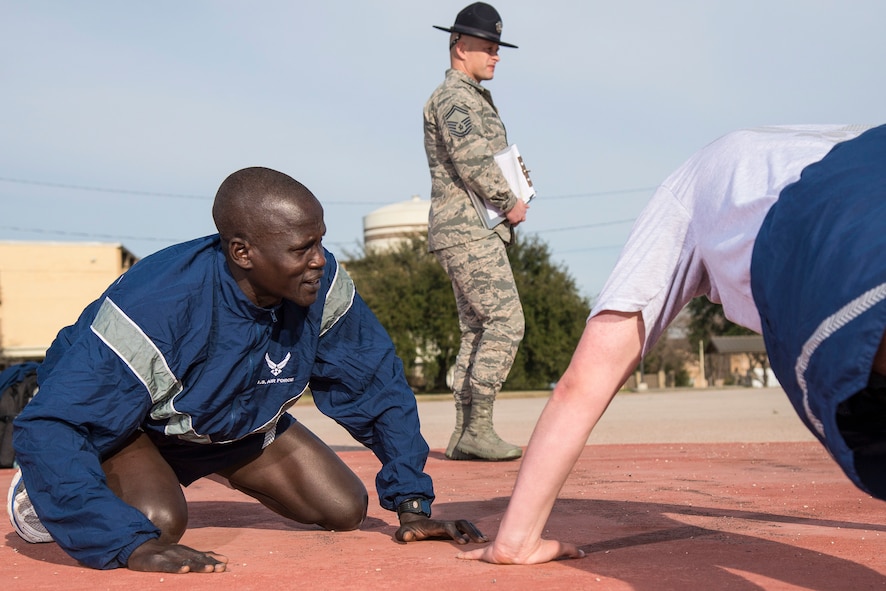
x,y
347,516
171,521
140,477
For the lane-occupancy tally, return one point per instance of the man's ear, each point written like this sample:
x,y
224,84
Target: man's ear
x,y
458,49
239,251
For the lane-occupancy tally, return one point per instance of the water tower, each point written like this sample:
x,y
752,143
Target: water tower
x,y
390,225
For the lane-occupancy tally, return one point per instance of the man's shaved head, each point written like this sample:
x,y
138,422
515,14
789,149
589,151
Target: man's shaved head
x,y
246,202
271,229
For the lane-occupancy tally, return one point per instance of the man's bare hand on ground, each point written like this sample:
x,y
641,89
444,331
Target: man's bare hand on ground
x,y
154,556
415,527
544,551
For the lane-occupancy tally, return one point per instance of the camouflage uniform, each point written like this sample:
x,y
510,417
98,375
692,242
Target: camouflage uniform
x,y
462,133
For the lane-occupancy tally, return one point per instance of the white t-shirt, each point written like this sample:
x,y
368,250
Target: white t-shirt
x,y
696,235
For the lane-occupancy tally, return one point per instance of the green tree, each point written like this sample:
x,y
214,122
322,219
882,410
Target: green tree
x,y
706,319
412,297
555,315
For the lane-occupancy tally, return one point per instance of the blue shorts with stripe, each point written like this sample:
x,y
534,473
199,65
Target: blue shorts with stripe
x,y
818,275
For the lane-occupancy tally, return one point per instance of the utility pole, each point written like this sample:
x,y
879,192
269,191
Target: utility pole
x,y
702,381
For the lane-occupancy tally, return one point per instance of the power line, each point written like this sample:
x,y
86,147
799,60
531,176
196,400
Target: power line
x,y
101,189
140,193
157,239
600,193
89,235
119,238
589,248
582,227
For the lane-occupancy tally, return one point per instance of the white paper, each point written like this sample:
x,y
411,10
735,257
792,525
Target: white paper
x,y
515,173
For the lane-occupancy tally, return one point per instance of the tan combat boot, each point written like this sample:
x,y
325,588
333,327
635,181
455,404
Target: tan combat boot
x,y
462,416
479,439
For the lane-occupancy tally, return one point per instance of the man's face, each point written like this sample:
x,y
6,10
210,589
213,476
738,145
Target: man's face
x,y
480,57
287,258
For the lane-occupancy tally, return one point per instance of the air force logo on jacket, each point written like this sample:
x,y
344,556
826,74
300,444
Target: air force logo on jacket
x,y
277,368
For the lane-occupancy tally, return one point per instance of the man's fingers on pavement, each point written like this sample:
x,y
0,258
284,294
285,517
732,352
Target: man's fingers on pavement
x,y
471,530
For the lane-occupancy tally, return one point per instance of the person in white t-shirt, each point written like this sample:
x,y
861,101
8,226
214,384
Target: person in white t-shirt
x,y
783,226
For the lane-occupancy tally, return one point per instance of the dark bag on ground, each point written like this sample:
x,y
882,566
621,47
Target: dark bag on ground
x,y
18,384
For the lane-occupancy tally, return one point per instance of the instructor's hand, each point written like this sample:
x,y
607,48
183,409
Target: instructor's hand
x,y
414,527
154,556
517,214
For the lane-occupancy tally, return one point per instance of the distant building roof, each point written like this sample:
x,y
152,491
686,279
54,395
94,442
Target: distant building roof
x,y
737,344
73,244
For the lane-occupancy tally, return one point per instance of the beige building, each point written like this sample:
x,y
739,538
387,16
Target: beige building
x,y
45,285
741,360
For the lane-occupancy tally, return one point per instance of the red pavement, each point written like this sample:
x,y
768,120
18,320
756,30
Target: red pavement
x,y
651,517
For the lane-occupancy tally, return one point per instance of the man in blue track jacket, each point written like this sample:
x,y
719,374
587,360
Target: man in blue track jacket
x,y
185,368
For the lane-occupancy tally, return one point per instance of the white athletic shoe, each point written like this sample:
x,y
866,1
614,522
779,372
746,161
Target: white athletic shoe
x,y
22,515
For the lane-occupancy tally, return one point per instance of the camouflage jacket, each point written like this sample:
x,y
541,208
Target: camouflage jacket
x,y
462,133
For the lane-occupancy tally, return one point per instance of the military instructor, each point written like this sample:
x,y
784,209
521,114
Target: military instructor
x,y
462,133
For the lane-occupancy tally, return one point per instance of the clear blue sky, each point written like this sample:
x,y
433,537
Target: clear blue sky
x,y
120,119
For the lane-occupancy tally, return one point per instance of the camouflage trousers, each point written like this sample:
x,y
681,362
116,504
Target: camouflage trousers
x,y
490,315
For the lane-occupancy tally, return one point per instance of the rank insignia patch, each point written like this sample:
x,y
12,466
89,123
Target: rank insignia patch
x,y
458,121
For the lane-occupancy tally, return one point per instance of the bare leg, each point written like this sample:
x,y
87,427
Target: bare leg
x,y
301,478
608,351
140,476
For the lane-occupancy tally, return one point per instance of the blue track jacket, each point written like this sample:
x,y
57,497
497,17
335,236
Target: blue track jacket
x,y
175,347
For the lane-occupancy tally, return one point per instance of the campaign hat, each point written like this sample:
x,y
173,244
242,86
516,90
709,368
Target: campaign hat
x,y
478,20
